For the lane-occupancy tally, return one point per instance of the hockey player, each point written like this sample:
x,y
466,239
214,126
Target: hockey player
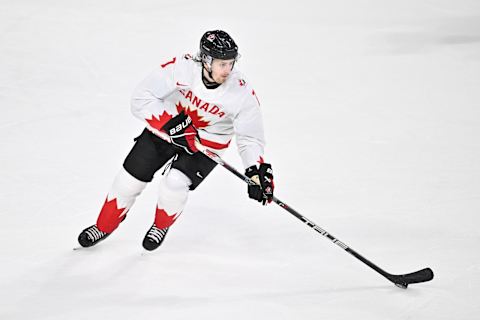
x,y
201,99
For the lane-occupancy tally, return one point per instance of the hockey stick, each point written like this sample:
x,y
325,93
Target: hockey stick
x,y
400,280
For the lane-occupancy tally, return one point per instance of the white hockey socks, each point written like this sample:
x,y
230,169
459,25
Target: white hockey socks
x,y
120,198
172,197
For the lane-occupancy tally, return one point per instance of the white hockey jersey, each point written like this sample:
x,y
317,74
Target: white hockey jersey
x,y
218,114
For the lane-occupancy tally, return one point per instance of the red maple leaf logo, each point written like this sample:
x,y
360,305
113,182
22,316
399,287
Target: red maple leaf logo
x,y
159,122
197,120
110,216
163,219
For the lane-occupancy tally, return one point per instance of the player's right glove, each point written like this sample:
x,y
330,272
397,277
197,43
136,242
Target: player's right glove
x,y
262,191
182,132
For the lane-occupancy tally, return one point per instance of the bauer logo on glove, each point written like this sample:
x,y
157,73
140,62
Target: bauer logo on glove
x,y
182,132
181,126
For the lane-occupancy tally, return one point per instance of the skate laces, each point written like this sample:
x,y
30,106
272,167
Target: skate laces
x,y
156,234
94,233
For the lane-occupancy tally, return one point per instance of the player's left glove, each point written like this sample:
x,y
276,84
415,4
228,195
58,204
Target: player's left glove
x,y
262,191
182,132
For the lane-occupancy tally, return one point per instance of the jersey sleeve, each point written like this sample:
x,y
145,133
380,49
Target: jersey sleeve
x,y
249,131
147,102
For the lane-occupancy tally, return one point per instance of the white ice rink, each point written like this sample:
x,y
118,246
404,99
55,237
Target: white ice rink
x,y
372,115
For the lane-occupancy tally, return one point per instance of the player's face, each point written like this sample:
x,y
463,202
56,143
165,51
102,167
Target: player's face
x,y
221,69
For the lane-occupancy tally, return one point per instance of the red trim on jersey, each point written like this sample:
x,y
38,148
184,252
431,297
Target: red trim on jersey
x,y
260,160
169,62
255,95
213,144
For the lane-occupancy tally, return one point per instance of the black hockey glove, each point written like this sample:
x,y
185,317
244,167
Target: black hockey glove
x,y
182,132
262,191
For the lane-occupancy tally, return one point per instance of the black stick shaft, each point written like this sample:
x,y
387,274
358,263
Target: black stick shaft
x,y
399,280
308,222
331,237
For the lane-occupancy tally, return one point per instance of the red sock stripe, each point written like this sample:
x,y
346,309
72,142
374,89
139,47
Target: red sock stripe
x,y
163,219
110,216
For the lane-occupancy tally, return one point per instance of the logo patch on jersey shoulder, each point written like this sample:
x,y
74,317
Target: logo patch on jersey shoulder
x,y
242,82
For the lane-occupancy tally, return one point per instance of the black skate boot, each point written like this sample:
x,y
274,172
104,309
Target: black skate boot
x,y
154,238
91,236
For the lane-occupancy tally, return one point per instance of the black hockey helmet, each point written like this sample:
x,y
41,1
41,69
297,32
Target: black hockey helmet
x,y
218,45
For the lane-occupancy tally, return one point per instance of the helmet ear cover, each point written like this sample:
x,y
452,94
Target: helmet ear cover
x,y
206,61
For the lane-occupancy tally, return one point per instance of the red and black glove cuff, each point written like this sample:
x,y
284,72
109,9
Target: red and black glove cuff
x,y
262,191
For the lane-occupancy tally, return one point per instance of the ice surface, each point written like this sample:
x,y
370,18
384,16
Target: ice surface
x,y
373,123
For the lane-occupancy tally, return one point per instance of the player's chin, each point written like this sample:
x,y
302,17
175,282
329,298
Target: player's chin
x,y
222,79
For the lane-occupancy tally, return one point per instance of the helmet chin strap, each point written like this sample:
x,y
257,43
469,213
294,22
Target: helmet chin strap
x,y
211,84
210,73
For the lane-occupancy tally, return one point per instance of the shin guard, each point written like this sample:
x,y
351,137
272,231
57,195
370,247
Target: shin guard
x,y
172,197
120,199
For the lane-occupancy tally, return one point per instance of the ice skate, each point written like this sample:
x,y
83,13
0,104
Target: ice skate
x,y
154,238
91,236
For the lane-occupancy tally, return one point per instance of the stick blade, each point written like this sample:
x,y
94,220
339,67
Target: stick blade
x,y
403,280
